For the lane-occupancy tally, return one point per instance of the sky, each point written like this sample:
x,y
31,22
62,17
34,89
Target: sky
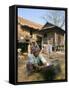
x,y
36,15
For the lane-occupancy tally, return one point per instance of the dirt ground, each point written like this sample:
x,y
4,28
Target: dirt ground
x,y
22,72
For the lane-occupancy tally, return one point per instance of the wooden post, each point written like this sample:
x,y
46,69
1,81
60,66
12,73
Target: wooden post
x,y
55,36
64,42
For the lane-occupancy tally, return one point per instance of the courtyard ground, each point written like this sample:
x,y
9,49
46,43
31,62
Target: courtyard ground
x,y
22,72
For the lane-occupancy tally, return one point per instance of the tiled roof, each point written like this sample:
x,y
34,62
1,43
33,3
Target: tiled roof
x,y
29,23
35,26
48,25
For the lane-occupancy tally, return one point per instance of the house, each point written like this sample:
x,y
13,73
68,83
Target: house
x,y
28,30
53,35
42,34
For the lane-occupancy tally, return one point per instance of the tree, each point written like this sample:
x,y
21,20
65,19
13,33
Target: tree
x,y
56,17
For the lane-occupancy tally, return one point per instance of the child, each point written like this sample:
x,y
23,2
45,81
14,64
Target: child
x,y
35,60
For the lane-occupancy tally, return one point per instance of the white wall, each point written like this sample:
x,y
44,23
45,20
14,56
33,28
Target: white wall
x,y
4,44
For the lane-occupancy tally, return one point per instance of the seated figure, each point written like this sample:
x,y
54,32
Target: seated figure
x,y
36,61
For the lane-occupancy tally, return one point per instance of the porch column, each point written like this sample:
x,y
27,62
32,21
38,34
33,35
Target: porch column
x,y
64,42
42,42
55,38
